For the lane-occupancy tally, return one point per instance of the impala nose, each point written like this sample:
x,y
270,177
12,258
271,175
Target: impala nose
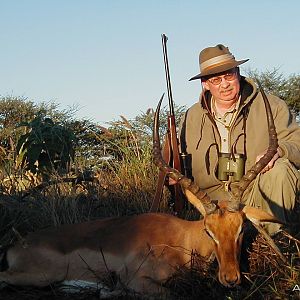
x,y
231,281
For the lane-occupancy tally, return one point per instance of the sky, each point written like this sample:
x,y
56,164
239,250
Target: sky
x,y
105,56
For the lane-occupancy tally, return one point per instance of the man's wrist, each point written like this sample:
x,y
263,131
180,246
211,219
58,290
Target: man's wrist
x,y
280,152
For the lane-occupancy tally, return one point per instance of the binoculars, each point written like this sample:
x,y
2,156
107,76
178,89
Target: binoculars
x,y
231,167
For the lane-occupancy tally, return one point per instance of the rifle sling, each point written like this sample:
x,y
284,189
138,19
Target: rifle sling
x,y
183,145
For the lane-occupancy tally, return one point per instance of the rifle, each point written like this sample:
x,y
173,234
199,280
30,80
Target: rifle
x,y
170,150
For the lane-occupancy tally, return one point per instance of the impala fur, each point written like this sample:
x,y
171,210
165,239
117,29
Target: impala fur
x,y
143,250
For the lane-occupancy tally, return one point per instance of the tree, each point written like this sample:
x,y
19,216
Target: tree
x,y
90,145
292,93
287,88
14,110
136,134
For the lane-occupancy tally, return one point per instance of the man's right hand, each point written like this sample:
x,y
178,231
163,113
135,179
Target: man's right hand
x,y
171,181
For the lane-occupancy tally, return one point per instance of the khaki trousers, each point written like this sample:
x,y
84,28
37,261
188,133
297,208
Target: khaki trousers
x,y
275,192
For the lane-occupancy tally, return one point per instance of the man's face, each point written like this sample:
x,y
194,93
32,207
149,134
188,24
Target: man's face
x,y
224,86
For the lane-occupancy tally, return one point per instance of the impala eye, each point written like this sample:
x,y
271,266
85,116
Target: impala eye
x,y
242,231
207,232
211,236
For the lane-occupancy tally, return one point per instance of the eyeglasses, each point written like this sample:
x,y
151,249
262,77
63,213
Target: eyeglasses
x,y
218,79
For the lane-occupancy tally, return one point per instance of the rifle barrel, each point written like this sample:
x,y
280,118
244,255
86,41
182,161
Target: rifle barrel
x,y
168,80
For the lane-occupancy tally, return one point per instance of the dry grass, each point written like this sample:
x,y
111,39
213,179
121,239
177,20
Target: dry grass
x,y
121,192
264,275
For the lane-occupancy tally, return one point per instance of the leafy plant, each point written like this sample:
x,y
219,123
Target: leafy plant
x,y
46,146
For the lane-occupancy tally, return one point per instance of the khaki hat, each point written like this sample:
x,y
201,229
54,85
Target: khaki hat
x,y
213,60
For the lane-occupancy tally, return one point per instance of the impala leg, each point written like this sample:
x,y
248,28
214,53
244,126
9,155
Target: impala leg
x,y
144,284
149,271
26,279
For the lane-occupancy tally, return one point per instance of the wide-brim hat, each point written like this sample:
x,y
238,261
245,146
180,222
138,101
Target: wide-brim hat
x,y
214,60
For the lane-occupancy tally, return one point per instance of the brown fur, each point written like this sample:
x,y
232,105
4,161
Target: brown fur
x,y
141,249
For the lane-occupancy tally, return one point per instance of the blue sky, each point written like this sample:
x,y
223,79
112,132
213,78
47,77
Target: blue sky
x,y
106,58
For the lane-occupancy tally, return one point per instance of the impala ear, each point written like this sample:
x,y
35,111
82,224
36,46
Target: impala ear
x,y
195,201
257,215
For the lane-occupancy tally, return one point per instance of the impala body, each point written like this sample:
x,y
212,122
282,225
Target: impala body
x,y
143,250
139,249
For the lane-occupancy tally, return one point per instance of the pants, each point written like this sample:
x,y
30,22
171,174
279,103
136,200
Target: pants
x,y
275,192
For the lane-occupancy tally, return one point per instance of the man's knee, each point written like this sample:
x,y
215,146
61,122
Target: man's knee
x,y
282,170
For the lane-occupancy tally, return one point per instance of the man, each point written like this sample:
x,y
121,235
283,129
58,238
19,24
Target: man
x,y
230,119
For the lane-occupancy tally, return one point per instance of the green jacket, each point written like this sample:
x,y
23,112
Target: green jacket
x,y
199,135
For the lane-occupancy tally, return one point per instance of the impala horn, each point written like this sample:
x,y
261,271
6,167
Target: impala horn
x,y
186,184
238,190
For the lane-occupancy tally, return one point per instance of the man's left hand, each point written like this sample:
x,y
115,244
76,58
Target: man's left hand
x,y
270,165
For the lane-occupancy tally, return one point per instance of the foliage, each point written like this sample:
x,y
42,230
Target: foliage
x,y
144,122
137,133
46,146
13,111
89,147
286,88
292,93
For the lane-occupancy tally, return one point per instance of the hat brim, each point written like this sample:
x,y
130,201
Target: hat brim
x,y
219,69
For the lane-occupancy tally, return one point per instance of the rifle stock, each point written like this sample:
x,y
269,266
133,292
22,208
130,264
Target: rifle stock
x,y
170,150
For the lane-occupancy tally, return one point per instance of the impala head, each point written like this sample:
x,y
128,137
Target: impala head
x,y
225,228
223,221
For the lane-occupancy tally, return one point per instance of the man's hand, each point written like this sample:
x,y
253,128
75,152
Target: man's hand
x,y
270,165
171,181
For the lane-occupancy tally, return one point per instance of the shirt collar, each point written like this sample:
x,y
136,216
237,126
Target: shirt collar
x,y
232,109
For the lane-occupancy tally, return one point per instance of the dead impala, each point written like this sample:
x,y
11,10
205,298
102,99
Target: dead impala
x,y
144,250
